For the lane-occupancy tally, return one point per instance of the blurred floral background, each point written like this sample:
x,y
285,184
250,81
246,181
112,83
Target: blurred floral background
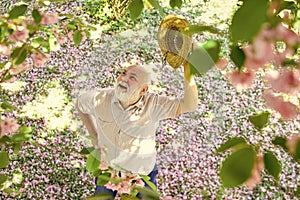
x,y
50,166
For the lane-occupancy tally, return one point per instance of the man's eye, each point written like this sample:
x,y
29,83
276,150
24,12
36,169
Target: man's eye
x,y
133,78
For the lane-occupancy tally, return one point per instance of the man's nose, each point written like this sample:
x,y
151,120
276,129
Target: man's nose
x,y
123,78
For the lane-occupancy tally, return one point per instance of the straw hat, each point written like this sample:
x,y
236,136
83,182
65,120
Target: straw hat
x,y
174,45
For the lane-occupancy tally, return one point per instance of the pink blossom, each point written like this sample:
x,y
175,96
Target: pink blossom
x,y
287,35
255,177
50,18
222,63
5,50
8,125
287,81
103,165
139,182
241,80
292,142
39,59
258,54
112,186
282,55
18,68
286,109
20,34
61,40
70,35
125,187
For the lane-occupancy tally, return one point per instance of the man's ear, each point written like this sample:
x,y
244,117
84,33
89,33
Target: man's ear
x,y
144,90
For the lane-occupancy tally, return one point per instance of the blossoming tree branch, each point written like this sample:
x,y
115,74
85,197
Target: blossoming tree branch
x,y
27,38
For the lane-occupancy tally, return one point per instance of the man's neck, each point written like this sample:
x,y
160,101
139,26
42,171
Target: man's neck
x,y
126,104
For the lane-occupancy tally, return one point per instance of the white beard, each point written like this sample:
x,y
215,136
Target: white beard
x,y
125,95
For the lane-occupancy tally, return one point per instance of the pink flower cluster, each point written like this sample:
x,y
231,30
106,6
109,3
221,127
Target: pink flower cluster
x,y
272,46
20,34
39,59
48,19
124,183
8,125
5,50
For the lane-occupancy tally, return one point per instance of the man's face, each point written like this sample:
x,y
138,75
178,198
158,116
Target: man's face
x,y
130,84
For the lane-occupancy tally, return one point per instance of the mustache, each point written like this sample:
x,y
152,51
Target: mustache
x,y
122,84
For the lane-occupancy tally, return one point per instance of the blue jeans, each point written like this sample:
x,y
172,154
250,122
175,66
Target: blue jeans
x,y
100,189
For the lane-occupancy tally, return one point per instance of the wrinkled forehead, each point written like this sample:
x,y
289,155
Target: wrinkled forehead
x,y
137,70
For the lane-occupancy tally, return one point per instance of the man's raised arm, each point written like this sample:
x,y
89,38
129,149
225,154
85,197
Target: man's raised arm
x,y
189,102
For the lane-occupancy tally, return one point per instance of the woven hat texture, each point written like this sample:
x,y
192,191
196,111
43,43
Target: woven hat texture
x,y
174,44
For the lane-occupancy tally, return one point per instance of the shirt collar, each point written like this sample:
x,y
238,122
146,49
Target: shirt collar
x,y
139,104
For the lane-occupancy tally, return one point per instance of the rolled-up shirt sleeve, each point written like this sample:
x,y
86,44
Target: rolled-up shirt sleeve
x,y
86,102
165,107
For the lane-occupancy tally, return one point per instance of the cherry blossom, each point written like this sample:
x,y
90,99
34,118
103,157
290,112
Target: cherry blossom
x,y
124,187
49,18
14,70
286,109
292,143
20,34
241,80
286,81
8,125
103,165
112,186
5,50
222,63
258,54
39,59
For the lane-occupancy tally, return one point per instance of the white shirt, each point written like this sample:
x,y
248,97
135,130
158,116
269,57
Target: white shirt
x,y
128,134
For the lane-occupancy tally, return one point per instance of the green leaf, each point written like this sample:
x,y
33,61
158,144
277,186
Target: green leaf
x,y
77,38
203,57
93,161
4,159
237,55
86,150
200,29
176,3
3,178
231,143
259,120
236,169
36,42
25,130
148,182
156,5
7,106
281,141
248,19
17,147
104,178
52,42
36,16
20,137
135,8
272,164
71,26
17,11
5,139
147,193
